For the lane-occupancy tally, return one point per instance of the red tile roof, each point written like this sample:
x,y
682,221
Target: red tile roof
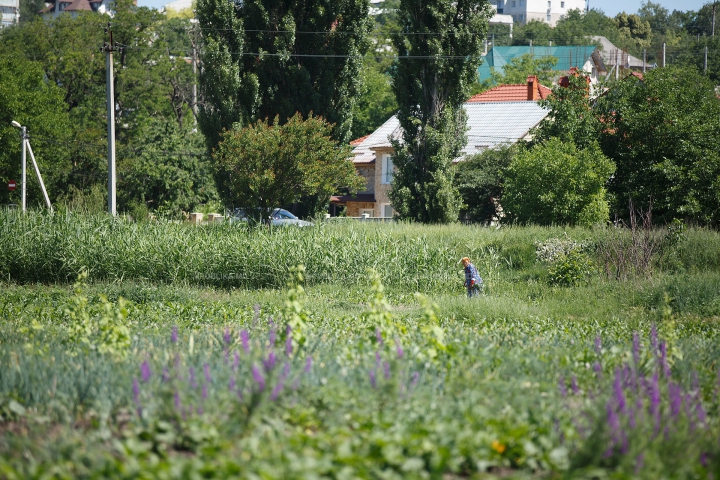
x,y
509,93
358,141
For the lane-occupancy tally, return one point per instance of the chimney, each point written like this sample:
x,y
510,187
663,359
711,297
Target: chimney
x,y
533,94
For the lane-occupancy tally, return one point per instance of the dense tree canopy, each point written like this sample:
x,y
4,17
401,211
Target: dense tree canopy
x,y
437,65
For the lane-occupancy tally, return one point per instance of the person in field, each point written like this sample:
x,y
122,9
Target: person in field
x,y
473,281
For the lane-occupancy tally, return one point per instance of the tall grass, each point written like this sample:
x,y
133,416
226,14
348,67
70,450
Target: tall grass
x,y
54,248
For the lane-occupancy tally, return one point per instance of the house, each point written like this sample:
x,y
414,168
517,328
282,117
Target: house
x,y
500,116
548,11
587,57
9,12
54,8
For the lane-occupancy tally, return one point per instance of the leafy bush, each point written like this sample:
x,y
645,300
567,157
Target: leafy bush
x,y
557,183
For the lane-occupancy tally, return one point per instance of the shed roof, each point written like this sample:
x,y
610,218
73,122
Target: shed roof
x,y
509,93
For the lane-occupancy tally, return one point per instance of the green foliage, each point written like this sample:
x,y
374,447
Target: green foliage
x,y
264,59
557,183
633,27
659,133
106,333
274,165
430,94
376,103
520,68
479,180
295,315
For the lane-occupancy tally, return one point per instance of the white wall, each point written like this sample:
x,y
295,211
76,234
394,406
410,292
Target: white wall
x,y
9,12
548,11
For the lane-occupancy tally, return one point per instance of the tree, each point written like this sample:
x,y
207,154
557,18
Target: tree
x,y
479,179
27,98
632,27
265,58
662,132
438,61
376,104
557,183
520,68
571,116
275,165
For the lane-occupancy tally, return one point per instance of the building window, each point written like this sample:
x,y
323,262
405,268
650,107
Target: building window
x,y
549,4
366,211
549,19
386,210
521,16
513,4
387,169
562,4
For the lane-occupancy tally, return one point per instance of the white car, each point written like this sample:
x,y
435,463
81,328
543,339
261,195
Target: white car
x,y
278,218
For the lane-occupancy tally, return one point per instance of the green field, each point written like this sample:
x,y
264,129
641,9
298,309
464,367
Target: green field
x,y
598,358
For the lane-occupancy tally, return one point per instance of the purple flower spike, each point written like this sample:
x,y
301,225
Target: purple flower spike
x,y
286,370
269,363
561,386
272,337
598,344
288,341
136,390
236,361
204,391
597,368
371,374
636,349
245,339
226,335
653,337
378,336
655,401
675,399
398,349
308,364
377,357
174,334
206,371
145,371
277,390
193,383
231,385
703,459
176,400
259,379
663,360
574,385
386,370
618,392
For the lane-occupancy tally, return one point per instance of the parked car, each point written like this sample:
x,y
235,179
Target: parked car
x,y
278,218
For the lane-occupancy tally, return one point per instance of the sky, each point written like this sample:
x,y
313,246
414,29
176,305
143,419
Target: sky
x,y
610,7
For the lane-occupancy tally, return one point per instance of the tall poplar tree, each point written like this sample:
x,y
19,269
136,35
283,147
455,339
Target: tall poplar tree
x,y
263,58
438,55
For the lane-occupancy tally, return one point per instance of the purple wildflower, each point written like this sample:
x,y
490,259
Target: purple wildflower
x,y
136,391
613,422
598,344
398,348
174,334
145,371
259,379
701,415
271,339
618,392
655,401
204,391
653,337
675,399
165,375
226,335
377,357
308,364
574,385
561,386
663,360
277,389
176,399
286,370
639,462
703,459
245,339
386,370
206,371
597,368
269,363
378,336
236,361
636,349
288,341
231,385
193,383
415,379
371,374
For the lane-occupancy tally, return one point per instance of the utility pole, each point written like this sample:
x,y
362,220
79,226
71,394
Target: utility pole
x,y
713,17
663,55
109,48
644,58
706,53
27,148
194,67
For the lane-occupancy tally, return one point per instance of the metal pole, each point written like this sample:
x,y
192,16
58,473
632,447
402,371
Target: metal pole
x,y
706,53
644,58
37,172
112,206
23,184
663,63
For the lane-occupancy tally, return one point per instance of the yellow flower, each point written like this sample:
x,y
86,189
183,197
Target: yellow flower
x,y
497,446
